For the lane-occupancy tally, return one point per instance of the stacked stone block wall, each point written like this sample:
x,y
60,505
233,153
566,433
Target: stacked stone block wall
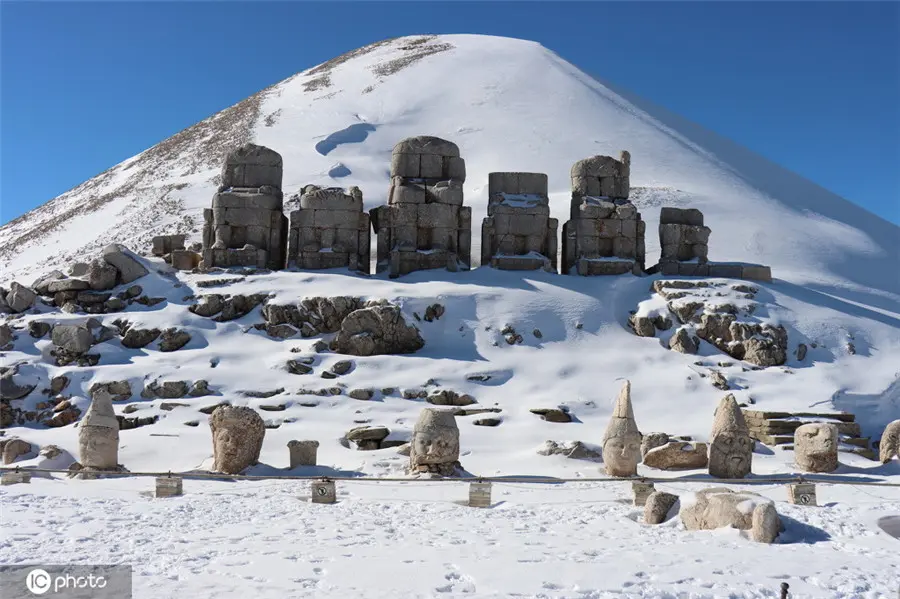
x,y
330,230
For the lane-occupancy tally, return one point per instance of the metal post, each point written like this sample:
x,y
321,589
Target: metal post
x,y
479,494
323,491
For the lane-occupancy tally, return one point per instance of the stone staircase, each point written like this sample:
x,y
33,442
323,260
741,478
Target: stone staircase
x,y
776,429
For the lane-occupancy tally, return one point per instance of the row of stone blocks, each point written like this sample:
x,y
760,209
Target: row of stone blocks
x,y
424,224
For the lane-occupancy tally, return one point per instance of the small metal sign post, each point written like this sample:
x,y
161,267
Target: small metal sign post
x,y
169,486
802,494
13,477
480,494
641,492
323,491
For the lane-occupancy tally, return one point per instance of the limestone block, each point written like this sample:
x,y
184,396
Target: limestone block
x,y
302,453
455,168
246,199
623,247
629,229
726,271
409,193
608,187
586,186
330,198
677,455
446,192
723,508
431,166
593,209
251,165
588,246
405,165
20,298
756,273
166,244
185,260
336,219
609,228
658,507
626,211
681,216
246,217
535,243
125,261
426,144
588,267
437,215
506,262
597,166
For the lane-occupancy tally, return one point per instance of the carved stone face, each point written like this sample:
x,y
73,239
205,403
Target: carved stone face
x,y
730,455
622,454
434,447
226,445
815,447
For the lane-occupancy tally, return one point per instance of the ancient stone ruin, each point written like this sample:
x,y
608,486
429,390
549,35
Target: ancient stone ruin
x,y
518,233
889,446
622,440
237,434
246,225
684,240
424,224
723,508
730,445
605,235
330,230
98,435
434,447
816,447
302,453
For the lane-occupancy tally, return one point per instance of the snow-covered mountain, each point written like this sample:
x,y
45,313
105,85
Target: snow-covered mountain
x,y
510,105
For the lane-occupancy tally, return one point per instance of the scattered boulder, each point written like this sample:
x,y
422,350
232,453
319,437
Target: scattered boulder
x,y
683,341
719,381
487,422
280,331
658,507
361,394
342,367
816,447
653,440
6,336
238,434
166,244
117,390
434,312
377,330
723,508
552,414
572,449
210,306
414,393
263,394
238,306
298,367
642,326
41,286
126,262
185,259
677,455
14,448
58,384
50,452
19,297
165,390
173,339
446,397
9,388
136,338
367,437
801,352
101,275
889,446
114,304
199,389
64,417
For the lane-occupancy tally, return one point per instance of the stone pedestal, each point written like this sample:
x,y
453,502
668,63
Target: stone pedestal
x,y
641,492
13,477
605,233
330,230
802,494
424,224
303,453
518,233
246,226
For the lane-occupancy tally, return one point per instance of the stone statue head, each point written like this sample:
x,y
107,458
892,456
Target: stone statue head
x,y
237,435
816,447
730,447
435,438
622,440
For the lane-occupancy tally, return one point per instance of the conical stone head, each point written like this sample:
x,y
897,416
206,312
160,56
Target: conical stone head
x,y
622,440
730,445
98,434
101,411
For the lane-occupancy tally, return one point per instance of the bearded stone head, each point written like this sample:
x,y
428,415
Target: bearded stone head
x,y
730,455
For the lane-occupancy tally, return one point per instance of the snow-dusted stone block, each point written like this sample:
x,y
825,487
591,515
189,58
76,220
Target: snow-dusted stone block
x,y
323,491
722,508
169,486
251,165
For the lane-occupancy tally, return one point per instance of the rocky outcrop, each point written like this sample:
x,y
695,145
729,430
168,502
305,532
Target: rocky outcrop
x,y
377,330
237,433
9,388
314,315
684,342
19,297
6,336
367,438
575,450
166,390
117,390
723,508
136,338
173,340
126,262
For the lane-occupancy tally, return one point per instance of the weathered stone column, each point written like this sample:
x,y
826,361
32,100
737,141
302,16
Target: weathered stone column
x,y
303,453
98,434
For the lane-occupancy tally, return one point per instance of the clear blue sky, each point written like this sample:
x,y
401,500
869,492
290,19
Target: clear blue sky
x,y
812,86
